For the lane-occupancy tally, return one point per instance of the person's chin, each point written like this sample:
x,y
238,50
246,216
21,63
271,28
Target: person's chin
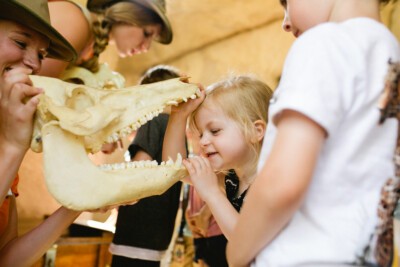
x,y
123,55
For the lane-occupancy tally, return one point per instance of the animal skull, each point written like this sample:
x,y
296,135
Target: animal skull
x,y
74,120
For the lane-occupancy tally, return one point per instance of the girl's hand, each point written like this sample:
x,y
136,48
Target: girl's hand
x,y
203,178
184,109
18,102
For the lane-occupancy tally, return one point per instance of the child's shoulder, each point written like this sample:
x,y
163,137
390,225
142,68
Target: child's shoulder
x,y
348,30
348,38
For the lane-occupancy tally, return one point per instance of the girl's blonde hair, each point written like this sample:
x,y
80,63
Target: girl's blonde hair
x,y
244,99
119,13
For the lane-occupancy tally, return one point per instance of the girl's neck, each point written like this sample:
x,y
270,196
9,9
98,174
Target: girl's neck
x,y
245,179
347,9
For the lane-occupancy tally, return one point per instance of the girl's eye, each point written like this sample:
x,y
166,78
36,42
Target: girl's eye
x,y
147,33
215,131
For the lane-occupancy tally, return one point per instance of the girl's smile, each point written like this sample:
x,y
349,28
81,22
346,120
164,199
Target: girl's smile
x,y
216,134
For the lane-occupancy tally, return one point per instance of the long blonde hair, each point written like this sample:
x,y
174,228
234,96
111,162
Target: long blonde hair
x,y
118,13
244,99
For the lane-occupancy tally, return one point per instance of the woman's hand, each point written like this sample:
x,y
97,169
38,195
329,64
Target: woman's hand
x,y
18,103
202,176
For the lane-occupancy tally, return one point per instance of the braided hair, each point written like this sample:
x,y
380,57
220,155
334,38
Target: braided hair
x,y
119,13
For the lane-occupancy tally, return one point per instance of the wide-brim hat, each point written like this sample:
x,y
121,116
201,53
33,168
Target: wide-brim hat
x,y
34,14
158,6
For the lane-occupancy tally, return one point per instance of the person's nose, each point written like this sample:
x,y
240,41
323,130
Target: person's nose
x,y
145,45
33,62
286,25
204,141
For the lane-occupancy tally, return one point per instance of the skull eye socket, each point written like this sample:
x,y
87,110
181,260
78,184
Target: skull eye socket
x,y
79,100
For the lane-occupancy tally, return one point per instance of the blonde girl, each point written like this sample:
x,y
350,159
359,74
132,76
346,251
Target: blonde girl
x,y
230,124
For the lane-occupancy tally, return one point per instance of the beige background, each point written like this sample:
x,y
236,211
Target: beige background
x,y
211,38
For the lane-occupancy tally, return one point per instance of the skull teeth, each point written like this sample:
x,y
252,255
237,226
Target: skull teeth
x,y
141,164
143,120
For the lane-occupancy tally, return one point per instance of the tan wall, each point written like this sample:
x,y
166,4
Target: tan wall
x,y
212,38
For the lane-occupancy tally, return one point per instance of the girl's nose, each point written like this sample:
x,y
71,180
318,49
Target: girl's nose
x,y
145,46
204,141
286,25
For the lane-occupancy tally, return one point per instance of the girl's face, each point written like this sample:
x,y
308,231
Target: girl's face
x,y
131,40
21,47
221,140
301,15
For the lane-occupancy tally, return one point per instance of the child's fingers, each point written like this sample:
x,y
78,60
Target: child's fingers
x,y
197,163
188,166
206,162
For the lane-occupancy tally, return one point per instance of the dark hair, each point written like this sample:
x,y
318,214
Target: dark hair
x,y
283,2
159,73
386,1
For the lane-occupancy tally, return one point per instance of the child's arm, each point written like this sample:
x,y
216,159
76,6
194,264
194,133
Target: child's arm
x,y
175,134
205,182
279,188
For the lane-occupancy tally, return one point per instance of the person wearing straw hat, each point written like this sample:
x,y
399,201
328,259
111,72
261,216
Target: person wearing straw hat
x,y
131,25
26,38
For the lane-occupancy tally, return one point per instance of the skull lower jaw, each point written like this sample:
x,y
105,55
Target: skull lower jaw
x,y
78,184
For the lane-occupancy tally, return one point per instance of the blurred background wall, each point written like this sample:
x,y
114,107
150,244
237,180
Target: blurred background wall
x,y
211,39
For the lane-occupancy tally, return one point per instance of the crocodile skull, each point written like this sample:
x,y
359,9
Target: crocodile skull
x,y
74,120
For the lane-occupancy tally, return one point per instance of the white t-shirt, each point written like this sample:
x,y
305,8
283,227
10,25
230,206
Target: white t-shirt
x,y
334,74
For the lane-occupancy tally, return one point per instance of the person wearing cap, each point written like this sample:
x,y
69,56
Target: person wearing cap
x,y
26,38
130,25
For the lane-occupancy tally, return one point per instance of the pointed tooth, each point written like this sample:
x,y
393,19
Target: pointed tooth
x,y
142,120
105,167
172,103
169,162
178,161
109,139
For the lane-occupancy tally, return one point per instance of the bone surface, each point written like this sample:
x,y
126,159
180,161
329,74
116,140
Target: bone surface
x,y
74,120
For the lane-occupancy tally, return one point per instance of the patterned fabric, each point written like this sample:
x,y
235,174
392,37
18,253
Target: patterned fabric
x,y
232,187
390,108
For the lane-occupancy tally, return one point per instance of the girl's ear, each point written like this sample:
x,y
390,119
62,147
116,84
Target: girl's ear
x,y
260,126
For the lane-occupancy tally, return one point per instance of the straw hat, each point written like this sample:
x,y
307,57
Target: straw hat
x,y
157,6
34,14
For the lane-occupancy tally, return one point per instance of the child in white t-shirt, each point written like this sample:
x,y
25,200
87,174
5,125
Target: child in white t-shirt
x,y
325,159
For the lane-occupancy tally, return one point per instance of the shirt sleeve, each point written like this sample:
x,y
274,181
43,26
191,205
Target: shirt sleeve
x,y
318,79
148,139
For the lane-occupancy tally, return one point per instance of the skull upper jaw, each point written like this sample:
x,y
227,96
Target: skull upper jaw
x,y
74,120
